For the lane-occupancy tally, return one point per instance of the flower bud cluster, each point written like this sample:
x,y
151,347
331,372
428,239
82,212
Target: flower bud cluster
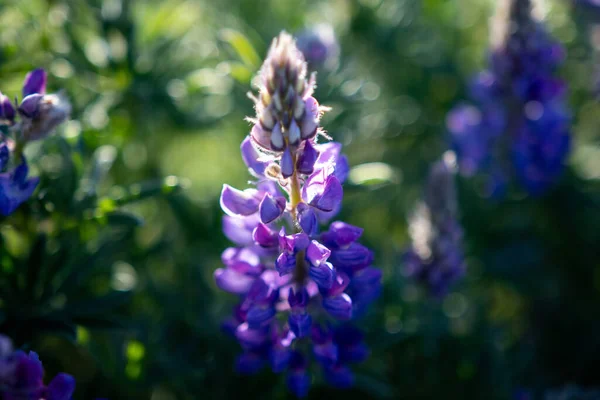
x,y
34,118
519,125
295,282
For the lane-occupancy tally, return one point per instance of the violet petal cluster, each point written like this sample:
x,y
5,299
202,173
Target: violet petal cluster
x,y
518,126
298,286
21,377
38,114
435,257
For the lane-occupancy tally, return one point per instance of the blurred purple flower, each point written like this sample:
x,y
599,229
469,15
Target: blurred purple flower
x,y
519,125
435,257
21,377
319,46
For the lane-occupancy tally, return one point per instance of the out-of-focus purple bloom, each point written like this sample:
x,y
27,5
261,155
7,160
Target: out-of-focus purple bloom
x,y
319,46
15,188
435,256
283,264
7,111
519,125
21,377
35,82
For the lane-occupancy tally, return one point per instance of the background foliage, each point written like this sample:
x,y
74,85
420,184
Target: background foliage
x,y
107,273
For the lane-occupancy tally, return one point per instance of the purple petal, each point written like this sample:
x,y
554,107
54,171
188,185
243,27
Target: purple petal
x,y
323,190
30,105
239,230
342,234
242,260
4,155
316,253
263,291
353,258
239,203
300,324
293,243
298,380
328,154
310,121
298,300
342,168
260,136
250,337
326,352
367,276
250,157
340,283
298,383
260,315
294,133
7,110
276,142
339,307
61,387
15,188
287,163
35,82
285,263
306,160
264,236
279,358
322,275
232,281
271,208
307,219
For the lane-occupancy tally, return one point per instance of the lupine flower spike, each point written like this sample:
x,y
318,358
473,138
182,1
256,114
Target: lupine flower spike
x,y
435,257
298,286
519,125
39,114
21,377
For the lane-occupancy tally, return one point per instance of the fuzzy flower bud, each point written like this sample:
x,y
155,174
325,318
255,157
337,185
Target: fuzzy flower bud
x,y
285,112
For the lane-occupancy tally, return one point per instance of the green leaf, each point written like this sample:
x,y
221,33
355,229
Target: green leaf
x,y
242,47
374,174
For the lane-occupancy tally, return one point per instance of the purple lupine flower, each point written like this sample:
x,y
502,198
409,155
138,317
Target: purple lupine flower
x,y
435,257
519,125
39,113
21,377
15,187
294,282
319,46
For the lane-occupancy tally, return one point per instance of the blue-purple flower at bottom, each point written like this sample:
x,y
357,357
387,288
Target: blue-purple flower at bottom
x,y
21,377
15,188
